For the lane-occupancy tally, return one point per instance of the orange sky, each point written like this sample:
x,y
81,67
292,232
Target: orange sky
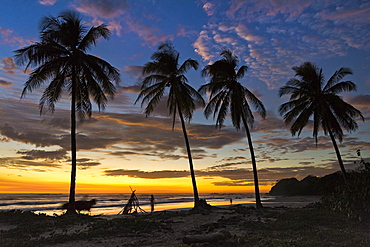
x,y
178,185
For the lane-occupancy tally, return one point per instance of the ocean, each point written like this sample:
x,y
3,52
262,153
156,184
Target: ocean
x,y
51,204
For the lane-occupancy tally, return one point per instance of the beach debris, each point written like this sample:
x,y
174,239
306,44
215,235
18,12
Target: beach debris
x,y
207,238
132,205
81,205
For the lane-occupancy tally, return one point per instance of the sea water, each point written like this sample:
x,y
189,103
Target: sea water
x,y
51,204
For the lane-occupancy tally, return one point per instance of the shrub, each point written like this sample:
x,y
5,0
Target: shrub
x,y
353,197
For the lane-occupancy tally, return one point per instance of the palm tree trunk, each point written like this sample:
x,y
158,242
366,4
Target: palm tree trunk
x,y
254,166
340,161
71,206
195,189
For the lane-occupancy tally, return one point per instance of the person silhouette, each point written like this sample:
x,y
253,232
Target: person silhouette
x,y
151,203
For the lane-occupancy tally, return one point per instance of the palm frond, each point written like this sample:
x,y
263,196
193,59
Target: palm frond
x,y
336,77
343,86
241,72
93,35
188,64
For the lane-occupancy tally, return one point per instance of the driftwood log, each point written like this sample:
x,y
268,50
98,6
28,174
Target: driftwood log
x,y
207,238
132,205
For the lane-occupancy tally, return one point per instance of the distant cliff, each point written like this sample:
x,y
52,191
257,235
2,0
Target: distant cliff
x,y
310,185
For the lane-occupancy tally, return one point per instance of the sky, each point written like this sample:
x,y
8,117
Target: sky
x,y
121,147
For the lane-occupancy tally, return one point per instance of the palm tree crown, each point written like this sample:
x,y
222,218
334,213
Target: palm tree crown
x,y
61,60
164,74
312,98
227,93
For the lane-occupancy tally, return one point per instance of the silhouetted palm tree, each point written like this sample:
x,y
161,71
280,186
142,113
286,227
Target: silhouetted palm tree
x,y
164,74
226,92
62,61
312,98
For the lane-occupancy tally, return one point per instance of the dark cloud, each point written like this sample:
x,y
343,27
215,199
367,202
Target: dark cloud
x,y
102,8
151,137
86,164
362,102
135,72
42,154
5,83
306,163
270,124
234,176
147,175
24,164
150,33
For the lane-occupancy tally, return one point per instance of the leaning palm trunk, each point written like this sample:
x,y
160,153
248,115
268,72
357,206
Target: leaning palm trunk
x,y
254,166
340,161
71,206
195,189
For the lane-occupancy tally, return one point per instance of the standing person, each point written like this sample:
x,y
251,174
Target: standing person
x,y
151,203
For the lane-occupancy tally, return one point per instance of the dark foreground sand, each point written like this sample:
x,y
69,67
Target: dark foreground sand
x,y
285,221
220,221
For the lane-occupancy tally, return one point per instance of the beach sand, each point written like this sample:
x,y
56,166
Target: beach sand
x,y
175,225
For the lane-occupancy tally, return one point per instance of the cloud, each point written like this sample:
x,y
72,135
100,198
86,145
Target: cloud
x,y
42,154
183,32
106,9
243,32
84,164
150,34
5,83
147,174
131,130
208,7
136,73
24,164
362,102
361,15
234,176
7,37
9,65
115,26
254,30
47,2
265,9
201,46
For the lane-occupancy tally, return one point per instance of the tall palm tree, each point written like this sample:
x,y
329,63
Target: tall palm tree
x,y
226,92
62,61
312,98
165,74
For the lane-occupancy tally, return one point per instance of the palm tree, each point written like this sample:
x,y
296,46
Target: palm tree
x,y
165,74
62,61
226,92
312,98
